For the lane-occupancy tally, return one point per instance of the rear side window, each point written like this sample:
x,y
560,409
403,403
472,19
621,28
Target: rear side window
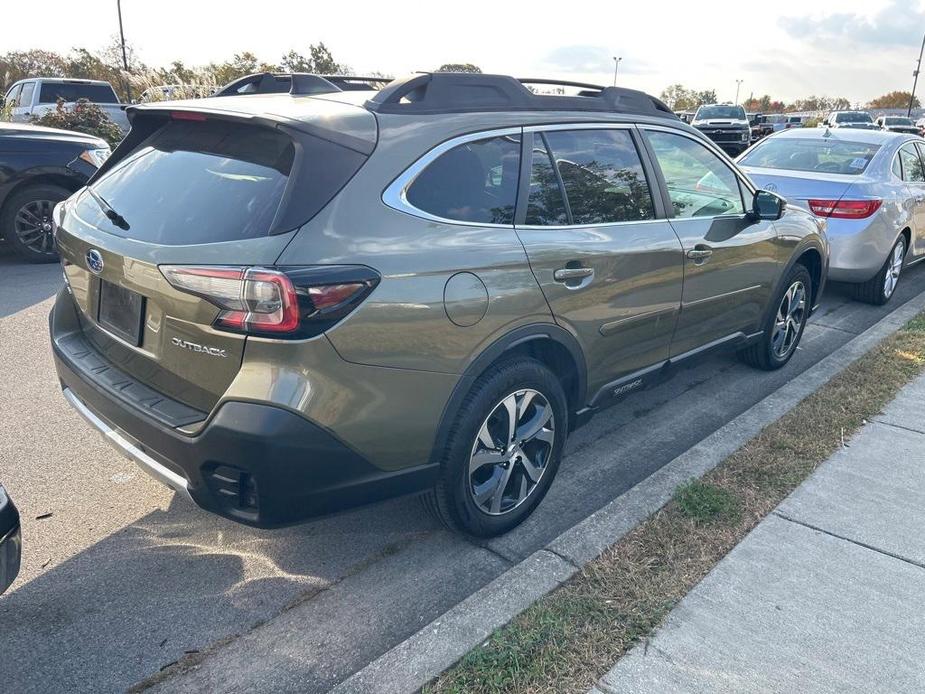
x,y
198,182
602,175
473,182
912,164
70,91
545,204
25,99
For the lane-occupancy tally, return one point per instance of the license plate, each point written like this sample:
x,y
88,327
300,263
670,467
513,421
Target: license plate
x,y
121,311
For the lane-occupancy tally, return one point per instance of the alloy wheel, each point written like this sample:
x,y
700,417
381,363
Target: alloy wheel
x,y
790,316
511,451
895,267
33,226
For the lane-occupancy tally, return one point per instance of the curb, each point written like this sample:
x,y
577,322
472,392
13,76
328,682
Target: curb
x,y
416,661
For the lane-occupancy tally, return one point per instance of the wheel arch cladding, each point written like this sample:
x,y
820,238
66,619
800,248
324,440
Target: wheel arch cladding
x,y
811,259
547,343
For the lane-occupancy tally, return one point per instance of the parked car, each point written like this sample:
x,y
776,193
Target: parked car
x,y
897,124
37,96
40,167
308,83
10,541
285,306
167,92
869,186
920,124
726,125
859,120
760,127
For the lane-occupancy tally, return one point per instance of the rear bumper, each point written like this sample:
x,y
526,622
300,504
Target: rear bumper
x,y
858,248
258,464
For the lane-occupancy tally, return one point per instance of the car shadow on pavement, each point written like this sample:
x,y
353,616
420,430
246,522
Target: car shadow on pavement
x,y
176,581
25,284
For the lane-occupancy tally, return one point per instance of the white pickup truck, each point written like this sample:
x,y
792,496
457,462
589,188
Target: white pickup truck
x,y
36,96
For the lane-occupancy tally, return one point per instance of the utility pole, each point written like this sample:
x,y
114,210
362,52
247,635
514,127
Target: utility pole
x,y
128,86
915,79
616,66
738,85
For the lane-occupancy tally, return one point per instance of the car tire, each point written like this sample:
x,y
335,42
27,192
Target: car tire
x,y
877,290
32,207
785,324
492,497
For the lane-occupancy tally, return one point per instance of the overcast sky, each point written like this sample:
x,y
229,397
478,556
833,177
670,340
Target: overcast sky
x,y
786,48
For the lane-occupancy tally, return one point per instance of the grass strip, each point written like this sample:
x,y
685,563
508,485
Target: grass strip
x,y
569,639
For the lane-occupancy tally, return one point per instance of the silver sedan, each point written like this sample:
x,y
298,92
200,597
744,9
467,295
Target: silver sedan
x,y
868,185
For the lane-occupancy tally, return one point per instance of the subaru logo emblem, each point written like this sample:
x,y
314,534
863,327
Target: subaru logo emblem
x,y
94,261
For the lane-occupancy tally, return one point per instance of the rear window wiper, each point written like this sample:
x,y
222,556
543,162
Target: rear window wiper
x,y
109,211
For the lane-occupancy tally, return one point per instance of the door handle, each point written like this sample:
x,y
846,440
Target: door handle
x,y
566,274
699,253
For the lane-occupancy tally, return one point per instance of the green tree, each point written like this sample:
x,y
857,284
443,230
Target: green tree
x,y
18,65
319,61
459,67
895,99
680,98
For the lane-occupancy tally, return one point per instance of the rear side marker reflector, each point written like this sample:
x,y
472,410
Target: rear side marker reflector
x,y
844,209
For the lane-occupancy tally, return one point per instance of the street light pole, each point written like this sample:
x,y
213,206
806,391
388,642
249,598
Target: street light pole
x,y
915,79
738,84
128,86
616,66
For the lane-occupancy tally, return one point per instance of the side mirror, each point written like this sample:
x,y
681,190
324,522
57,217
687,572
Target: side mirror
x,y
10,541
768,206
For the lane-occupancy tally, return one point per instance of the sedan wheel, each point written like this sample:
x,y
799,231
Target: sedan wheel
x,y
894,268
33,226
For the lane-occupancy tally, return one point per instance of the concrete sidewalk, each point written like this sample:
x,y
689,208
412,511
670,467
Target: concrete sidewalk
x,y
826,594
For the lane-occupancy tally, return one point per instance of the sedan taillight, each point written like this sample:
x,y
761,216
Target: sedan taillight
x,y
295,302
844,209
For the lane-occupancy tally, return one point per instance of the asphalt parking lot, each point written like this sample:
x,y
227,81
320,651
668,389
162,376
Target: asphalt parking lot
x,y
120,578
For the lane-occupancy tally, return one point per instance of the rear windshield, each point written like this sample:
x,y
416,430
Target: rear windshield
x,y
97,93
199,182
898,121
823,155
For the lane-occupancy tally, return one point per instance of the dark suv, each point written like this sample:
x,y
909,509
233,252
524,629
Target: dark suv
x,y
281,305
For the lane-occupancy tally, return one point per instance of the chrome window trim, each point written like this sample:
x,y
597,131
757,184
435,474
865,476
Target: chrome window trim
x,y
396,194
597,125
561,227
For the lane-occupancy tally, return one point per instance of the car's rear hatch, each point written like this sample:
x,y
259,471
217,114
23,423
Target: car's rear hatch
x,y
195,185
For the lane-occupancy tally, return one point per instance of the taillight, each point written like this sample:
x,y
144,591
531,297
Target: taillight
x,y
844,209
290,302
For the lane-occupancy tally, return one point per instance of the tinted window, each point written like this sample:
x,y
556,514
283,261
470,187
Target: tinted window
x,y
816,154
912,164
699,183
25,98
70,91
545,205
603,177
197,182
474,182
897,169
853,117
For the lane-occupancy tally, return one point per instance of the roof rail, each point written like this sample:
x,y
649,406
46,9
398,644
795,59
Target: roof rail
x,y
460,92
349,83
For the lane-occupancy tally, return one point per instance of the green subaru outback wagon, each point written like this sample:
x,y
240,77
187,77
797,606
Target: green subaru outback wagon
x,y
283,305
